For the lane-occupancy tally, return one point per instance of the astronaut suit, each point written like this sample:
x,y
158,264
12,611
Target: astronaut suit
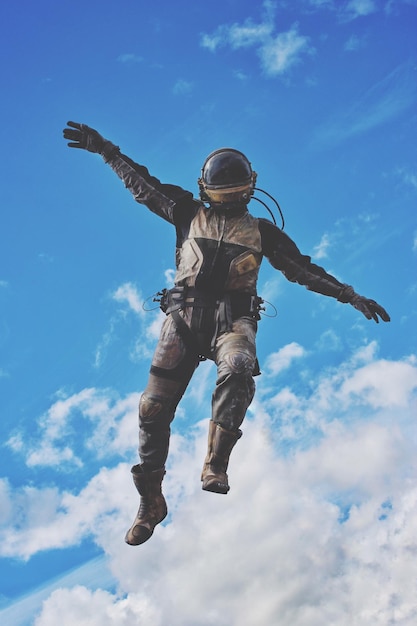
x,y
212,311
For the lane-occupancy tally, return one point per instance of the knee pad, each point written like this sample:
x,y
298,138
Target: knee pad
x,y
154,412
149,406
239,362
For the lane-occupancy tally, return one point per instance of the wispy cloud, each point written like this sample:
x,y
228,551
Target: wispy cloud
x,y
131,300
182,87
382,102
277,53
360,8
129,58
320,251
408,177
354,43
129,294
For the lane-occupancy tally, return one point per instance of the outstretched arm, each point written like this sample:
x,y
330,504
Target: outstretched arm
x,y
162,199
369,308
284,255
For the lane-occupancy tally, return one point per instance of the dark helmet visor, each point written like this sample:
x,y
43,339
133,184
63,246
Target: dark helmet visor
x,y
226,168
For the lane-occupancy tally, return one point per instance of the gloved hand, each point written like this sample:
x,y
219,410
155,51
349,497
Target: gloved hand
x,y
369,308
82,136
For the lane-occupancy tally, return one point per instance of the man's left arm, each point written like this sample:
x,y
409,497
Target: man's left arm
x,y
284,255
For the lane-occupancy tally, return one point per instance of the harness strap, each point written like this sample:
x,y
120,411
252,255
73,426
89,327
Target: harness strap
x,y
187,334
226,308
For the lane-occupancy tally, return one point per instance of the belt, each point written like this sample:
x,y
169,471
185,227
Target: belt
x,y
226,307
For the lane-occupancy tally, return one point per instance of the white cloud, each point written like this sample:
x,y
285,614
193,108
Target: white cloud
x,y
237,36
278,361
54,519
359,8
4,283
408,177
319,533
284,51
131,298
109,425
182,87
104,343
84,607
128,293
240,75
354,43
329,340
321,3
129,57
382,384
169,277
278,53
320,251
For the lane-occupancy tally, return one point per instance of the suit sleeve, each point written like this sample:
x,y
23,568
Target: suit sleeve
x,y
283,254
162,199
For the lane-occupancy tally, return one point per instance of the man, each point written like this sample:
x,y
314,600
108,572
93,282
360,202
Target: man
x,y
212,311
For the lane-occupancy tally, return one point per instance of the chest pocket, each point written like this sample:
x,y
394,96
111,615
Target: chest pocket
x,y
243,271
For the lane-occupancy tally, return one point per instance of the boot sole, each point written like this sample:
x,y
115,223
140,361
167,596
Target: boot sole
x,y
216,487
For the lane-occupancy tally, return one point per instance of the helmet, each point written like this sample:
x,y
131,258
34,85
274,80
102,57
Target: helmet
x,y
226,177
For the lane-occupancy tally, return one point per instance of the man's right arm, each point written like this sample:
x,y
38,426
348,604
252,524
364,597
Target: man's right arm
x,y
160,198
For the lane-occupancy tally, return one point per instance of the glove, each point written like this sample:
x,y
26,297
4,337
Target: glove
x,y
370,308
82,136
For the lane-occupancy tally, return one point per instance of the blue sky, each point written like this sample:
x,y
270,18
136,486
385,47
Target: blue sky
x,y
319,526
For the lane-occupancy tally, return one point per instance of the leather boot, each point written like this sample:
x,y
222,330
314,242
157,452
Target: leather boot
x,y
152,509
220,445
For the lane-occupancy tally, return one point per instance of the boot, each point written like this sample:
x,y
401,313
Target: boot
x,y
220,445
152,509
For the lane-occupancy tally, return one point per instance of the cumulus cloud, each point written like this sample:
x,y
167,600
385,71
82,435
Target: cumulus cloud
x,y
108,428
58,519
282,52
277,53
282,359
322,532
84,607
